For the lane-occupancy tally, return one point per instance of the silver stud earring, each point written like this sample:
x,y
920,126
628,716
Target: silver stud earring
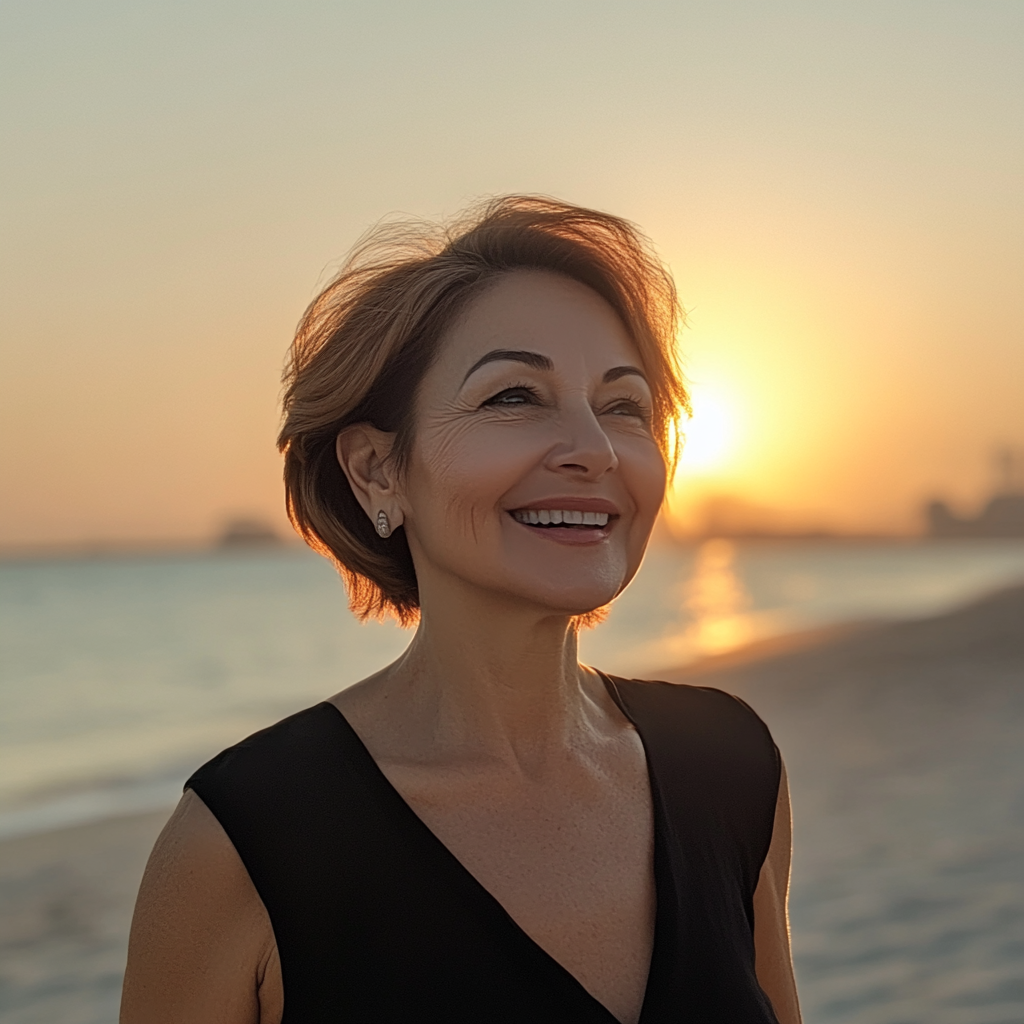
x,y
383,526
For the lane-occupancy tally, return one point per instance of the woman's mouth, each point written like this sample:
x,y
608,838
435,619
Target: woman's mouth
x,y
560,517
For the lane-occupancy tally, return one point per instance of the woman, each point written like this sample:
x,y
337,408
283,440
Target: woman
x,y
478,429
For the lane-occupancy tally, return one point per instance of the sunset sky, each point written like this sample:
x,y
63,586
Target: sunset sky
x,y
838,187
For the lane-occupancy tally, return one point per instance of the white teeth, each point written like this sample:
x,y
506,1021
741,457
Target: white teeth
x,y
555,517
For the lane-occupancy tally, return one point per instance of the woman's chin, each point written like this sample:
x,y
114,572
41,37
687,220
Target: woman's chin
x,y
581,599
555,586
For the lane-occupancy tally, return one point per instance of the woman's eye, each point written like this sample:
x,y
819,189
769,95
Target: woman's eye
x,y
628,407
514,396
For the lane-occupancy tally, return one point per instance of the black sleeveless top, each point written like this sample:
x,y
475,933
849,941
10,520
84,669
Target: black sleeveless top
x,y
377,922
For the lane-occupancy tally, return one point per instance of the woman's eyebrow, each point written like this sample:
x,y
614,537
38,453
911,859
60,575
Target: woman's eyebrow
x,y
534,359
623,371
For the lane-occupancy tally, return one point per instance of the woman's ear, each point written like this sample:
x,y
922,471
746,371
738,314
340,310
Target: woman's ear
x,y
364,455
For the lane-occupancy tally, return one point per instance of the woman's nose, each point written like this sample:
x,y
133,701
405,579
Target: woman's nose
x,y
586,450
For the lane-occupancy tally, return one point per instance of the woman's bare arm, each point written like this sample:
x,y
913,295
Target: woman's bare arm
x,y
774,960
202,949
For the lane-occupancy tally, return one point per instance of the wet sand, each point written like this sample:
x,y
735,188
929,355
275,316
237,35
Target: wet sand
x,y
905,746
66,901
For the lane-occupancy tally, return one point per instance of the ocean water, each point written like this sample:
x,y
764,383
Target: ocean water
x,y
119,676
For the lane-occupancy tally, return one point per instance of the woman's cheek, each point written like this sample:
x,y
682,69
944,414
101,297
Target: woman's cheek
x,y
459,476
645,474
489,458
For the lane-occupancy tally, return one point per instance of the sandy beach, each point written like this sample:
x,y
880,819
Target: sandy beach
x,y
904,746
66,901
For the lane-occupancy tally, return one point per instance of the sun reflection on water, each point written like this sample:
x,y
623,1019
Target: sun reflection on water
x,y
716,600
715,612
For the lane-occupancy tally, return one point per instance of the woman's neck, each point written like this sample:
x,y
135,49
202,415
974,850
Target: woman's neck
x,y
487,679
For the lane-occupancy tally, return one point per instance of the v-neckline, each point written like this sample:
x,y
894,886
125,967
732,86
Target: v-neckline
x,y
487,897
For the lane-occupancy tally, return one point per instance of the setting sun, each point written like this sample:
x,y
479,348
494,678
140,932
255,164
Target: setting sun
x,y
712,458
710,435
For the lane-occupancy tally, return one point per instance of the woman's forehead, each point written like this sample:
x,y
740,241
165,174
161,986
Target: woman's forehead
x,y
555,317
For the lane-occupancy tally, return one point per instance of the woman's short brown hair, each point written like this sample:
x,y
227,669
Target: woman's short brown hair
x,y
366,341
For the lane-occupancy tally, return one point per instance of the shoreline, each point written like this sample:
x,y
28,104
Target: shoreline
x,y
90,807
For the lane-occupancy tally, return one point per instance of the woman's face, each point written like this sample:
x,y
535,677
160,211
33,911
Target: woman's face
x,y
534,473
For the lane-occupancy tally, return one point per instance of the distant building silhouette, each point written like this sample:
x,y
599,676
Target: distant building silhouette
x,y
248,533
1003,514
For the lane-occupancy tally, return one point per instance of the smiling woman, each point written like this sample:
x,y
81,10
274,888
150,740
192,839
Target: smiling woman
x,y
477,433
364,347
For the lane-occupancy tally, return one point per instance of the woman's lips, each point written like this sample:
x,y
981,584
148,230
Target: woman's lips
x,y
569,503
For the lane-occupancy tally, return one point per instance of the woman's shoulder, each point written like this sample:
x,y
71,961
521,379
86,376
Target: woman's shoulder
x,y
286,774
704,736
197,901
701,709
284,746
